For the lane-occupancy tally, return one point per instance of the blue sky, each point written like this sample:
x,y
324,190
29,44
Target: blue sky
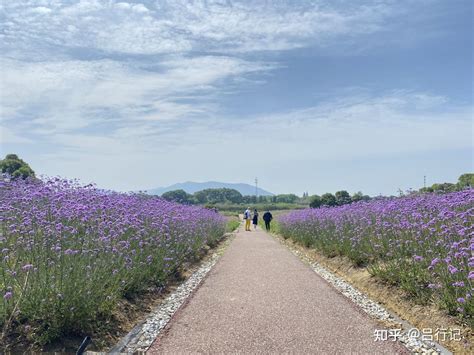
x,y
310,96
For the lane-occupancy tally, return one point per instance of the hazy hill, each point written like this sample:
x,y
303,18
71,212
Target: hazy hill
x,y
192,187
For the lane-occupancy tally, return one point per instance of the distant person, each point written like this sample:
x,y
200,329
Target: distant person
x,y
247,215
267,217
255,219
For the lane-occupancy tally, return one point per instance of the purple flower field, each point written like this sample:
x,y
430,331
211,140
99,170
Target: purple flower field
x,y
422,243
69,253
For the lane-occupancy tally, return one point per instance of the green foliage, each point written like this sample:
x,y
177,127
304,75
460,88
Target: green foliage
x,y
225,208
232,224
15,167
200,197
286,198
249,199
179,196
359,196
213,196
343,198
328,199
466,180
444,187
315,201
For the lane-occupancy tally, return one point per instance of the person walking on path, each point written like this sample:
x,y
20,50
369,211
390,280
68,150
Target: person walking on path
x,y
242,308
267,217
247,215
255,219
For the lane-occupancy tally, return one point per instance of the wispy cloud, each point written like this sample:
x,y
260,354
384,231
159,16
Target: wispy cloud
x,y
99,79
75,65
342,129
153,27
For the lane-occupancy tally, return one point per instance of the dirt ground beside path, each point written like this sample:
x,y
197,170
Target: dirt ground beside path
x,y
260,298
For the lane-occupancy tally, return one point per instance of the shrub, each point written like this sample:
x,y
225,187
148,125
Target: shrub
x,y
422,243
69,253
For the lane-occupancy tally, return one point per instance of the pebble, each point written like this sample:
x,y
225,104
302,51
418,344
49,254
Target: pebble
x,y
373,309
139,340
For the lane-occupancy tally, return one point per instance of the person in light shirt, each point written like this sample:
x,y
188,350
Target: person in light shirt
x,y
247,218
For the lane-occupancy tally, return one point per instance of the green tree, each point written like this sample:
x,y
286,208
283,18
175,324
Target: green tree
x,y
466,180
343,198
359,196
15,167
179,196
328,199
315,201
232,195
222,195
201,197
286,198
444,187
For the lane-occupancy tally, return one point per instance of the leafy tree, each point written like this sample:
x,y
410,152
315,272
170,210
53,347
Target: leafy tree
x,y
315,201
15,167
328,199
466,180
179,196
286,198
359,196
342,198
232,195
356,197
222,195
444,187
201,197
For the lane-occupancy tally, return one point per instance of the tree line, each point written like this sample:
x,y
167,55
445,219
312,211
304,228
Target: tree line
x,y
226,196
465,181
232,196
338,199
14,167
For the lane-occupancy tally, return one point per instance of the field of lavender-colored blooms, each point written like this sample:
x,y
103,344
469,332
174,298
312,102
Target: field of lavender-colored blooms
x,y
70,252
422,243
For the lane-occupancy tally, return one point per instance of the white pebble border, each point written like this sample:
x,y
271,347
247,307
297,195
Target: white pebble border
x,y
373,309
144,334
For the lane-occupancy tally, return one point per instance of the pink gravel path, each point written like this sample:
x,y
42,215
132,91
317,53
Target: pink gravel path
x,y
260,298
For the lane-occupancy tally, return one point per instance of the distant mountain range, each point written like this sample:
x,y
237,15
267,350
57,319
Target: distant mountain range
x,y
191,187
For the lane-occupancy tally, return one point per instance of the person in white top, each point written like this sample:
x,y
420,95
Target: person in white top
x,y
247,218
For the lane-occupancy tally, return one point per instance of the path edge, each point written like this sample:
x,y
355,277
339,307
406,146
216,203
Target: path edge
x,y
144,334
373,309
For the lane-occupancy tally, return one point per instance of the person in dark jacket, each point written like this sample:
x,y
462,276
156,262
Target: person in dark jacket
x,y
267,217
255,219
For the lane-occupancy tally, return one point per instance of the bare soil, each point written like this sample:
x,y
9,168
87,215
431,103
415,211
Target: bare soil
x,y
392,298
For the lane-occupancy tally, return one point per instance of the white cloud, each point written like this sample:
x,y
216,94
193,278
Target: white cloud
x,y
181,26
60,96
231,150
111,80
41,10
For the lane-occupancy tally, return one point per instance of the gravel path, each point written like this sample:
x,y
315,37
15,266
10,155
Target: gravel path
x,y
260,298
